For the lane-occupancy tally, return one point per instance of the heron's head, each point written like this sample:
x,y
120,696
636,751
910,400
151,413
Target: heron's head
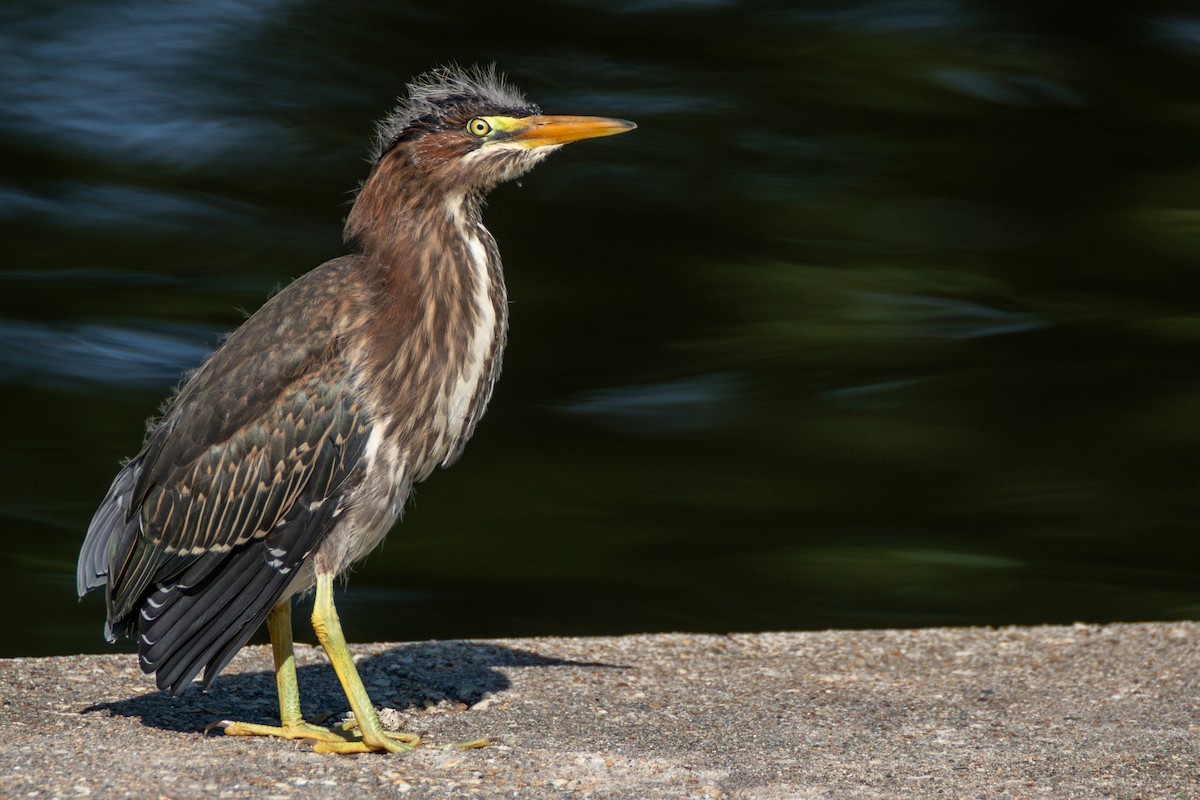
x,y
460,131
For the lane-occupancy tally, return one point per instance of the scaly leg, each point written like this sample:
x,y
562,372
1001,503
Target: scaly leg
x,y
372,736
365,734
292,724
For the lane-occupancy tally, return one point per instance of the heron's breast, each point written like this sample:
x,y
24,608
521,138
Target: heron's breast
x,y
470,387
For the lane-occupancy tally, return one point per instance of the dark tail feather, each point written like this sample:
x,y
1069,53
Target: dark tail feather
x,y
172,616
227,630
222,658
197,622
109,520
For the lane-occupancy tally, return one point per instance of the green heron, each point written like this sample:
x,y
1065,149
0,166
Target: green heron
x,y
287,456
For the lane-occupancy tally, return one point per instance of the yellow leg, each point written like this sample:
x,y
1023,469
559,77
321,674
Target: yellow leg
x,y
365,734
372,736
292,724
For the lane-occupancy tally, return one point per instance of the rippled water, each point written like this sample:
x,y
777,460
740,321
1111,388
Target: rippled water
x,y
885,315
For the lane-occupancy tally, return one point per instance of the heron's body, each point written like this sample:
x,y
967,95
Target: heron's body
x,y
288,455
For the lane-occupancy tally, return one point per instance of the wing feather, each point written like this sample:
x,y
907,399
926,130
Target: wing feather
x,y
204,530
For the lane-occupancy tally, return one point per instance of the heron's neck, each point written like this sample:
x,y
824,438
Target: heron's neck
x,y
438,312
402,204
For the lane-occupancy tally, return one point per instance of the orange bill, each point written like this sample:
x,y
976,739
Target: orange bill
x,y
541,131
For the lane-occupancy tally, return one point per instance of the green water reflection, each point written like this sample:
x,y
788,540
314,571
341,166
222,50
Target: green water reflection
x,y
888,314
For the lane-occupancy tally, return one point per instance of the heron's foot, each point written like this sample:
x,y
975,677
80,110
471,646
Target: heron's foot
x,y
291,730
380,741
399,742
342,739
474,744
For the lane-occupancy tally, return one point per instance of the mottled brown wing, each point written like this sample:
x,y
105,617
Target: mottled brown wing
x,y
202,532
247,380
300,452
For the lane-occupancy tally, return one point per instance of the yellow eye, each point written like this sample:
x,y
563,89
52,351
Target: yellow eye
x,y
479,127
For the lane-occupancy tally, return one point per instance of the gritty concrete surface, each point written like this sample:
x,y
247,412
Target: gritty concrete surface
x,y
1048,712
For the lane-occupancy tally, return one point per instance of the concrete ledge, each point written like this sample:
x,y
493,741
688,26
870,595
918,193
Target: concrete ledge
x,y
1062,712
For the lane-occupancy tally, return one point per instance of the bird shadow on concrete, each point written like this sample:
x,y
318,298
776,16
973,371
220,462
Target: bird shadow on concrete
x,y
406,678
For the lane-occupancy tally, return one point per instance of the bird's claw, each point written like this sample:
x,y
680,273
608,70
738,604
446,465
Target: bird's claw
x,y
343,739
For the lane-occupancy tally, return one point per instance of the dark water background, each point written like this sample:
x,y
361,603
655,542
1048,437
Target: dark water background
x,y
887,315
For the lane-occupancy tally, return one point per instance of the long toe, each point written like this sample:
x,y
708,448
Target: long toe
x,y
388,743
298,731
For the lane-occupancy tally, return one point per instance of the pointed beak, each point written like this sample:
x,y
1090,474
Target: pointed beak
x,y
542,131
